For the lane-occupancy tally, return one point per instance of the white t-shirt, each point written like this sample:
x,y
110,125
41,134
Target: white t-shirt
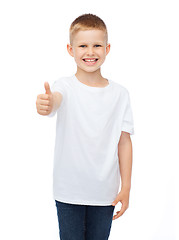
x,y
88,128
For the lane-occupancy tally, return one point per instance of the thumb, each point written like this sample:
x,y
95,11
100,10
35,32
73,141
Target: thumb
x,y
114,203
116,200
47,88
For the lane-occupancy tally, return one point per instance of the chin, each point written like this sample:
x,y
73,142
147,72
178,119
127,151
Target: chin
x,y
90,70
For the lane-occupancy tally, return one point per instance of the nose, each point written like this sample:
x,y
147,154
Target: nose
x,y
90,51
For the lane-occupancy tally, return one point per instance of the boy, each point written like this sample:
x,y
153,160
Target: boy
x,y
93,146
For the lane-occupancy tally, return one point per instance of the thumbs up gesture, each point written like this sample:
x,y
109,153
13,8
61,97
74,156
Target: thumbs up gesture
x,y
44,102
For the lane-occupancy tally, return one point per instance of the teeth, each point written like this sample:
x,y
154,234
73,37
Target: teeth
x,y
90,60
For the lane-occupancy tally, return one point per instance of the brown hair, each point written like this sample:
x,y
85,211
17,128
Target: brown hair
x,y
87,22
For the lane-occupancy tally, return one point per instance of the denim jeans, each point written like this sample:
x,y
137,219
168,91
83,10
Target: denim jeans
x,y
84,222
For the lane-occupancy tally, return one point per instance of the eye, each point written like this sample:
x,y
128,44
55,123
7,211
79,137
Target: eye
x,y
98,45
82,46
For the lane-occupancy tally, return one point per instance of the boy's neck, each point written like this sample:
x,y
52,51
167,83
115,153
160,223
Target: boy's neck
x,y
93,79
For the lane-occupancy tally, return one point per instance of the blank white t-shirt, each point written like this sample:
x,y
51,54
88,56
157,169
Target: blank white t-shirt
x,y
88,128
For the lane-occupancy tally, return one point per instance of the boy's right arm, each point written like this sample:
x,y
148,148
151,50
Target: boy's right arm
x,y
48,102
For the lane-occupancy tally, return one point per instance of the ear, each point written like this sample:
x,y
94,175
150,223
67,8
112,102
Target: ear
x,y
108,48
70,50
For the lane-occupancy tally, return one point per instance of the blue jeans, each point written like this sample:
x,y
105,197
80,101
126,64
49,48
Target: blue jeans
x,y
84,222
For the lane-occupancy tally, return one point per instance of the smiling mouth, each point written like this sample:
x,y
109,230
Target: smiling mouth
x,y
90,60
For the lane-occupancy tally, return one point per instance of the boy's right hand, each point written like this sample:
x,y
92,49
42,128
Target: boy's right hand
x,y
44,102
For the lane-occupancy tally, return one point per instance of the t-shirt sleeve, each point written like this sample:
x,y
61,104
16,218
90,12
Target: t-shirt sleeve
x,y
128,122
57,86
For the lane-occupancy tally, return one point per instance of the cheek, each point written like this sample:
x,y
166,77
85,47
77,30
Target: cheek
x,y
79,54
102,52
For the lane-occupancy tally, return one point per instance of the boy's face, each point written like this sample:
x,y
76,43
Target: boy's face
x,y
89,49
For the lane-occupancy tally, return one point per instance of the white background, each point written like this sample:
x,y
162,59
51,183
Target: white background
x,y
144,58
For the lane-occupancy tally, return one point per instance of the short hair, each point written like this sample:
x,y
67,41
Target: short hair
x,y
87,22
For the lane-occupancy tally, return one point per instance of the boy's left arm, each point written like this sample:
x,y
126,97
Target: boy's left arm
x,y
125,164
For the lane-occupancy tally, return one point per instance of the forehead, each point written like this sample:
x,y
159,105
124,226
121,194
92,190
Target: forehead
x,y
89,36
